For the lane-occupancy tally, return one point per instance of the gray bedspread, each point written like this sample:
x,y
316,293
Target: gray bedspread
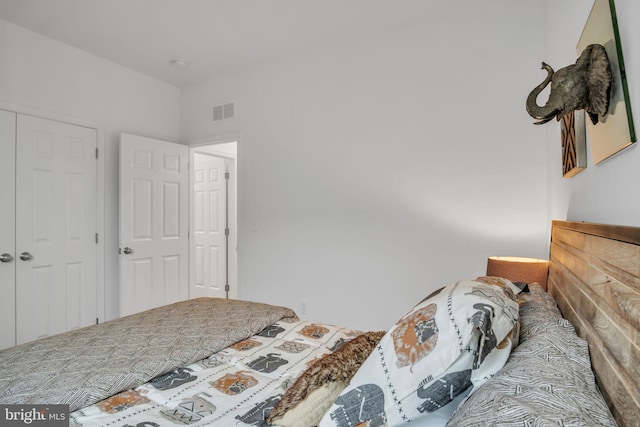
x,y
87,365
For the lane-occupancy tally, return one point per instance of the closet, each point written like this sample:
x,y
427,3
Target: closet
x,y
48,230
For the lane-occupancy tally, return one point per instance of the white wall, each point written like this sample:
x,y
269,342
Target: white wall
x,y
46,76
374,172
603,193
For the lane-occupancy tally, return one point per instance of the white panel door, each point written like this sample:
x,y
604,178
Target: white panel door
x,y
154,219
55,227
7,229
208,255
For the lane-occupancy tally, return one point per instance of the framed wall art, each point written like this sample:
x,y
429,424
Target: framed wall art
x,y
615,131
574,143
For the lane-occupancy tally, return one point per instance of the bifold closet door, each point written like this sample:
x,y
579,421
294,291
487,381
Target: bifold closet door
x,y
56,248
7,229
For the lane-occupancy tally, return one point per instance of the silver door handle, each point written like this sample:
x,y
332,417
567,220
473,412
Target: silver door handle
x,y
128,250
6,258
26,256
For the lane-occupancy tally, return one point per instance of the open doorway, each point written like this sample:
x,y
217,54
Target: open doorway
x,y
213,220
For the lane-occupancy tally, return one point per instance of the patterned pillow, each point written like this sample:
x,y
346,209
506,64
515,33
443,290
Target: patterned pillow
x,y
455,339
546,381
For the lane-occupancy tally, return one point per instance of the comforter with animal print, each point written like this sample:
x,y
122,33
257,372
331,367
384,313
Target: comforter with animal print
x,y
235,386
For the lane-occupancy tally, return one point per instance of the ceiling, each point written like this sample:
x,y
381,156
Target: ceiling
x,y
213,36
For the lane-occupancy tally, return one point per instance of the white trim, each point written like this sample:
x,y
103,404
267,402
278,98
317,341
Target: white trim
x,y
212,151
100,187
102,232
49,115
212,140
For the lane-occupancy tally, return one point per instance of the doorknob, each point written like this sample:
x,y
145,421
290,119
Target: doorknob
x,y
6,258
128,250
26,256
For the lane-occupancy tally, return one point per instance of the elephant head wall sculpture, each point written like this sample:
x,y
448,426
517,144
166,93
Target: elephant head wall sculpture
x,y
584,85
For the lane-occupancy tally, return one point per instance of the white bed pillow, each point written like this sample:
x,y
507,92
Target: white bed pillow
x,y
455,339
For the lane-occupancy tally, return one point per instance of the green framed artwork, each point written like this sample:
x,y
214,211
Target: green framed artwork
x,y
615,131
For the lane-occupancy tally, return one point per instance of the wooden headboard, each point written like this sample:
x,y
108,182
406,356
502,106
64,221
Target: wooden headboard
x,y
594,275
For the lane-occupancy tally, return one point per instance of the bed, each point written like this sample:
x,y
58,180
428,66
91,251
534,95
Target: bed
x,y
480,351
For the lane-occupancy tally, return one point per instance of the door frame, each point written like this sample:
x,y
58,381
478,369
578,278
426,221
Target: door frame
x,y
8,160
100,188
199,147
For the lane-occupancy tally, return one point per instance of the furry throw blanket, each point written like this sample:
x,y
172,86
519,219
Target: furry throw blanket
x,y
337,367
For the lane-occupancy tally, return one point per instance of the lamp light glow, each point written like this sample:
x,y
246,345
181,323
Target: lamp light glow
x,y
519,269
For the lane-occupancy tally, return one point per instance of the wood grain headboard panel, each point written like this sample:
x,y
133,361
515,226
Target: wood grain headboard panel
x,y
594,275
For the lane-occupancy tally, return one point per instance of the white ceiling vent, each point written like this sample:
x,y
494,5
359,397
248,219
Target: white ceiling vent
x,y
223,112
